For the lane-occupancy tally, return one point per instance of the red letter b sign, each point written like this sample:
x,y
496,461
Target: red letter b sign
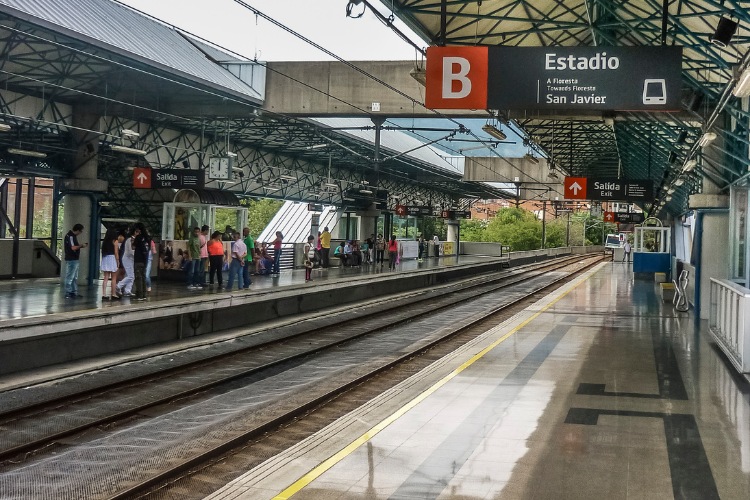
x,y
456,78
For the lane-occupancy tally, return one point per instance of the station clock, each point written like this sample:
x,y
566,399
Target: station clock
x,y
220,168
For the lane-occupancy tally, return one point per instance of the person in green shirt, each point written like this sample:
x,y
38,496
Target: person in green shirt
x,y
250,244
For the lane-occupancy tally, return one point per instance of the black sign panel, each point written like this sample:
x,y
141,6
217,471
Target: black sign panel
x,y
633,218
618,189
418,211
314,207
177,179
455,214
605,78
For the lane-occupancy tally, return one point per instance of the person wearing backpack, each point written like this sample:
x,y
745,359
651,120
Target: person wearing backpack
x,y
141,244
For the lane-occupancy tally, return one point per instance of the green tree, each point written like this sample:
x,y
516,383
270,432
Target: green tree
x,y
518,228
260,212
556,233
430,226
473,230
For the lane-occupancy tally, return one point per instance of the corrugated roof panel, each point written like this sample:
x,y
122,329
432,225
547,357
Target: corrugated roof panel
x,y
294,221
114,26
394,141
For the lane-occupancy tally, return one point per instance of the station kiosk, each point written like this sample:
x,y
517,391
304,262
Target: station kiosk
x,y
219,210
651,249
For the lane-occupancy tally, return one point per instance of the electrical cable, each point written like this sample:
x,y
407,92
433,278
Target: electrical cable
x,y
291,31
187,120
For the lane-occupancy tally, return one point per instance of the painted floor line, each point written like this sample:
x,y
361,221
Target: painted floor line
x,y
320,469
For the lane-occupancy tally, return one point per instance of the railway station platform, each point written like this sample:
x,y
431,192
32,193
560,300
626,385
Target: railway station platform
x,y
39,327
599,390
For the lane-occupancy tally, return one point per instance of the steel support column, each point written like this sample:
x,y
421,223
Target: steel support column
x,y
30,206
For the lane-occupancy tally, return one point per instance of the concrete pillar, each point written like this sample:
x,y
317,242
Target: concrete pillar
x,y
712,213
716,156
714,256
453,234
368,222
79,208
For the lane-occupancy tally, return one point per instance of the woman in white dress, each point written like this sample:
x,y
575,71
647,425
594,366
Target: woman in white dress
x,y
110,262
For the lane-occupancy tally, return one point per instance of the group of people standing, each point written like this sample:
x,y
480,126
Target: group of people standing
x,y
127,257
128,254
245,258
351,253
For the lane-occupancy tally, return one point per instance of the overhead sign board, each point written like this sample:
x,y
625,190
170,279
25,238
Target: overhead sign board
x,y
575,188
588,188
148,178
629,218
570,78
418,211
142,178
314,207
414,211
455,214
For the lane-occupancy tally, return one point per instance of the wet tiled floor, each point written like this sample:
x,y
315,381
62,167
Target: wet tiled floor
x,y
598,391
27,298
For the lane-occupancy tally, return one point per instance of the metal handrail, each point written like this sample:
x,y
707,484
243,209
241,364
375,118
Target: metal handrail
x,y
729,321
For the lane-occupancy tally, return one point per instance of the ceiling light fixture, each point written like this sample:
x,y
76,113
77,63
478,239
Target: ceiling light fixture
x,y
365,191
317,146
420,75
287,177
4,127
689,166
130,134
679,182
494,132
26,152
724,32
530,157
131,151
707,139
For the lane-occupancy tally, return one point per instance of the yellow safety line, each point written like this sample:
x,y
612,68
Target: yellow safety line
x,y
333,460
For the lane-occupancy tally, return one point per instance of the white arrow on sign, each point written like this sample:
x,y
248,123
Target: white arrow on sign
x,y
142,178
575,187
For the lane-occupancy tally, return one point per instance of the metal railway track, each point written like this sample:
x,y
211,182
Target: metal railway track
x,y
467,292
41,435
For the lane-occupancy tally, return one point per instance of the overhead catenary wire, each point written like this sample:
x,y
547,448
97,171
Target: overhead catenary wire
x,y
182,118
291,31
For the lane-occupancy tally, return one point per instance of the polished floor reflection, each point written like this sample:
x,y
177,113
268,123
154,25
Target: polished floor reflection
x,y
599,391
38,297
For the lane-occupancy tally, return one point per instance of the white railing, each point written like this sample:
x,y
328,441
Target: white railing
x,y
729,321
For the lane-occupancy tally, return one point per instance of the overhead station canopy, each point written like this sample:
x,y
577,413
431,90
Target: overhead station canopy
x,y
100,58
635,145
116,46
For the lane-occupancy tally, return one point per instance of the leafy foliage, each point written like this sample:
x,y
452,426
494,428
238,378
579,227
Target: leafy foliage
x,y
260,212
522,230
